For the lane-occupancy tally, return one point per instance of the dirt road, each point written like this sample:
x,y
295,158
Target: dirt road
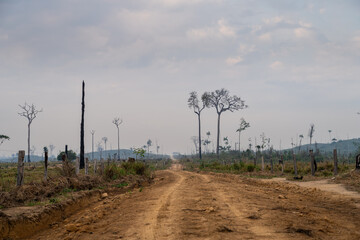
x,y
186,205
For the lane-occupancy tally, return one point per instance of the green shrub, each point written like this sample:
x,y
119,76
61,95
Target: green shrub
x,y
250,168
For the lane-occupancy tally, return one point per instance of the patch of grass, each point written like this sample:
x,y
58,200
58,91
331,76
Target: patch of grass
x,y
121,185
140,189
53,200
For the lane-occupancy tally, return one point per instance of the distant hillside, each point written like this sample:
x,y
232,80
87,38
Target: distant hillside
x,y
342,146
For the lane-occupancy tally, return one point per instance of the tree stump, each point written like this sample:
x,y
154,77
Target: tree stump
x,y
20,168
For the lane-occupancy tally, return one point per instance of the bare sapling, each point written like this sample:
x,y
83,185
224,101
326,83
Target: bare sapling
x,y
312,158
45,163
335,162
20,168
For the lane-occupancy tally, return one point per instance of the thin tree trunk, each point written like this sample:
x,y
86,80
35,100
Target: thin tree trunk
x,y
218,136
82,145
46,166
199,135
20,169
118,143
29,142
86,166
239,145
295,165
77,165
262,162
312,162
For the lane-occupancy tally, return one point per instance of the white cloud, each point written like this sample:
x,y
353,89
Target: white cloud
x,y
276,65
222,29
233,60
305,24
226,30
302,33
273,20
265,37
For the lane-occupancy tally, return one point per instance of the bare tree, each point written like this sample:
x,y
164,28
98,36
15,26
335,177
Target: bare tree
x,y
105,139
117,122
222,102
100,149
82,138
195,141
30,112
243,125
311,132
149,144
51,147
92,144
301,138
193,102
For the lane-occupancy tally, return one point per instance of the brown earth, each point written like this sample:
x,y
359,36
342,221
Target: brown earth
x,y
187,205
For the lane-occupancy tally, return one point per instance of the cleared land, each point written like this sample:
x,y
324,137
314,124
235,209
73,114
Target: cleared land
x,y
188,205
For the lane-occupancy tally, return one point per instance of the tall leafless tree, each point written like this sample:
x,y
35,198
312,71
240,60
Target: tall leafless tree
x,y
29,112
301,138
51,147
82,143
222,102
105,139
311,132
149,144
118,122
193,102
92,144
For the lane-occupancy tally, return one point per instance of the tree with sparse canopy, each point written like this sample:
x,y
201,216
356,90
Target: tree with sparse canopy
x,y
222,102
3,138
243,125
29,112
193,102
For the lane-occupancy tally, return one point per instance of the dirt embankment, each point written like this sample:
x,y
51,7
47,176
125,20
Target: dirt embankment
x,y
23,221
186,205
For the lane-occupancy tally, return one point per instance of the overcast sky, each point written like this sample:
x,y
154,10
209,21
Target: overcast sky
x,y
293,62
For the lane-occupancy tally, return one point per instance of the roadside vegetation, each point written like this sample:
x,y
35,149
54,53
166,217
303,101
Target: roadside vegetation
x,y
58,186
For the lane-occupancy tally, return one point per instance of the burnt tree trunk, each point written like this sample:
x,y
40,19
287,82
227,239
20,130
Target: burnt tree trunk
x,y
218,136
312,158
20,169
199,136
82,147
46,166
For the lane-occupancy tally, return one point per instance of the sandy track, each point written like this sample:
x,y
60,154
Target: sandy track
x,y
186,205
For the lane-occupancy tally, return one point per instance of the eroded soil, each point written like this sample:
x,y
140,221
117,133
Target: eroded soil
x,y
187,205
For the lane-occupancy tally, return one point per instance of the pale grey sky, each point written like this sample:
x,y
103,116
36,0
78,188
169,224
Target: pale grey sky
x,y
293,62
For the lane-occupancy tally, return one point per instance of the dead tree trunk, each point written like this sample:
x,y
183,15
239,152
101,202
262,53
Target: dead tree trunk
x,y
262,163
77,166
46,166
94,166
102,166
312,158
86,166
295,165
82,146
335,162
282,164
20,168
271,162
